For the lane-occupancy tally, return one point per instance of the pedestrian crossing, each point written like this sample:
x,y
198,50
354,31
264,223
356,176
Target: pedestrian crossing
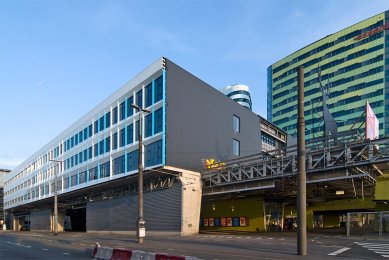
x,y
378,248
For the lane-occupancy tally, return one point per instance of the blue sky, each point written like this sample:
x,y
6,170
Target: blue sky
x,y
59,59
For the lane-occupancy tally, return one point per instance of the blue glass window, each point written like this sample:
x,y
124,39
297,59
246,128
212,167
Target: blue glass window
x,y
122,111
92,174
130,134
66,183
101,147
80,157
130,110
95,127
154,153
72,142
132,161
85,155
96,150
235,147
148,125
85,133
76,139
118,165
80,136
158,120
136,130
139,99
107,144
105,170
114,141
74,180
90,130
90,152
122,137
158,89
108,119
83,177
101,123
148,95
115,115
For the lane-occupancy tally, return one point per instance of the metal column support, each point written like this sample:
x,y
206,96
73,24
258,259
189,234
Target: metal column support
x,y
301,177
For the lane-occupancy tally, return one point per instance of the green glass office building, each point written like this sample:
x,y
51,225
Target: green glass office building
x,y
353,64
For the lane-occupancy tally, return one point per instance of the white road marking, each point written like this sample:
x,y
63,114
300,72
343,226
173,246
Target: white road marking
x,y
44,249
337,252
66,253
16,244
385,255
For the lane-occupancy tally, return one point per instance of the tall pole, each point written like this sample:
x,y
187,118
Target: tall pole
x,y
141,229
301,177
140,181
55,228
55,204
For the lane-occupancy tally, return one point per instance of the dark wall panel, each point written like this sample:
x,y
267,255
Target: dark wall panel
x,y
199,122
162,212
40,220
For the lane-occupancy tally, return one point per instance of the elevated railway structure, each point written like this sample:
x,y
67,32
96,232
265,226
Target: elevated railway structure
x,y
333,167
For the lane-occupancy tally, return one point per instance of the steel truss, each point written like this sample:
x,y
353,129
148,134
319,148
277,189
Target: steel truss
x,y
334,161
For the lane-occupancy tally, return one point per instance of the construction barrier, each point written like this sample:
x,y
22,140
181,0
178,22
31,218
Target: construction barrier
x,y
107,253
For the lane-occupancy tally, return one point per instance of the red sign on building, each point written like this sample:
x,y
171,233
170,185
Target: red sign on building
x,y
372,32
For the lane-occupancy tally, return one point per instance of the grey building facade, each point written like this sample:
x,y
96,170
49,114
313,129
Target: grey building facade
x,y
189,121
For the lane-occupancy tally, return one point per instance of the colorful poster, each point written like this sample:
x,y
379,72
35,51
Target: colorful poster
x,y
229,222
206,222
223,222
235,221
217,222
211,222
242,221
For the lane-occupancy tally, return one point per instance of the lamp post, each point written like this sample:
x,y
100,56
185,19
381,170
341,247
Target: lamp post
x,y
141,229
56,197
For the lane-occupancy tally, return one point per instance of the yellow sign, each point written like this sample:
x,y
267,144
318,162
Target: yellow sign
x,y
211,163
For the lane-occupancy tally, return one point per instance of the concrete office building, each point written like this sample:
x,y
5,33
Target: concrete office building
x,y
97,181
354,68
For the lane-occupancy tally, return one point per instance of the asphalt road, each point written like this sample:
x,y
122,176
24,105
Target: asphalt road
x,y
34,245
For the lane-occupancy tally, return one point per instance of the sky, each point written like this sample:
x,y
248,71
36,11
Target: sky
x,y
59,59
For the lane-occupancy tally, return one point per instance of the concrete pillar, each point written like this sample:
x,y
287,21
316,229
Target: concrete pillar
x,y
190,202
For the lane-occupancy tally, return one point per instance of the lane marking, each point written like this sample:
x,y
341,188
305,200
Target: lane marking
x,y
66,253
16,244
385,255
44,249
337,252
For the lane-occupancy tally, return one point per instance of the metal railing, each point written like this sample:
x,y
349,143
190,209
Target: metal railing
x,y
368,224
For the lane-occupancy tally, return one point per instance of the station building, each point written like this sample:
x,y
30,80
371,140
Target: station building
x,y
354,68
96,158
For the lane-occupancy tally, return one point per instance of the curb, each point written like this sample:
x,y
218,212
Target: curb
x,y
107,253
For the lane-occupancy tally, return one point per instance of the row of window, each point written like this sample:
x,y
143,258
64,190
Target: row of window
x,y
153,156
78,138
125,136
153,94
328,65
328,76
330,44
333,84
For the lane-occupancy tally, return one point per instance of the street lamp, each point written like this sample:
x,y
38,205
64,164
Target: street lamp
x,y
56,197
141,229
